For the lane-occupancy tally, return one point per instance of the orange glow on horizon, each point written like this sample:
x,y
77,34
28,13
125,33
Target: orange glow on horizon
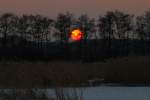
x,y
76,35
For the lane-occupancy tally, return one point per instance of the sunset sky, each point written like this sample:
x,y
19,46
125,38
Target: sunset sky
x,y
92,7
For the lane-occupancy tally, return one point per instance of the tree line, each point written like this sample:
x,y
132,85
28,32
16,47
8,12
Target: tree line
x,y
114,34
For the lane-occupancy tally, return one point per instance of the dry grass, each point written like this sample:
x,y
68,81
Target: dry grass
x,y
42,74
45,74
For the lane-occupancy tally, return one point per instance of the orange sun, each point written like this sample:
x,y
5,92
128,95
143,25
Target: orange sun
x,y
76,35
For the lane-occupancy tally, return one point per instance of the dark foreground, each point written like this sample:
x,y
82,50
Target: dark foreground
x,y
131,70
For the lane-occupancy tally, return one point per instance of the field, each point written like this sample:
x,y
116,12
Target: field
x,y
25,74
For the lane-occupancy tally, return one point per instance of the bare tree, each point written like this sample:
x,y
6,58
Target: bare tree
x,y
87,25
115,25
140,27
146,25
26,27
7,26
63,24
143,30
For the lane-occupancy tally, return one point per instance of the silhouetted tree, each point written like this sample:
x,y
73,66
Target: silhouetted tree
x,y
63,24
123,28
143,30
140,27
7,26
26,27
106,30
87,25
146,24
41,29
112,35
115,25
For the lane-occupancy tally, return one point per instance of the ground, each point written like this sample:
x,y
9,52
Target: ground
x,y
25,74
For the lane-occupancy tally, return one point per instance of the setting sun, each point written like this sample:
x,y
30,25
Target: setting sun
x,y
76,35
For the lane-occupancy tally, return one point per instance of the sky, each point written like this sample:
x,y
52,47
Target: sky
x,y
93,8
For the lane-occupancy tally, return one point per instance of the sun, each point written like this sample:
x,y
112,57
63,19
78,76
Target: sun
x,y
76,35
